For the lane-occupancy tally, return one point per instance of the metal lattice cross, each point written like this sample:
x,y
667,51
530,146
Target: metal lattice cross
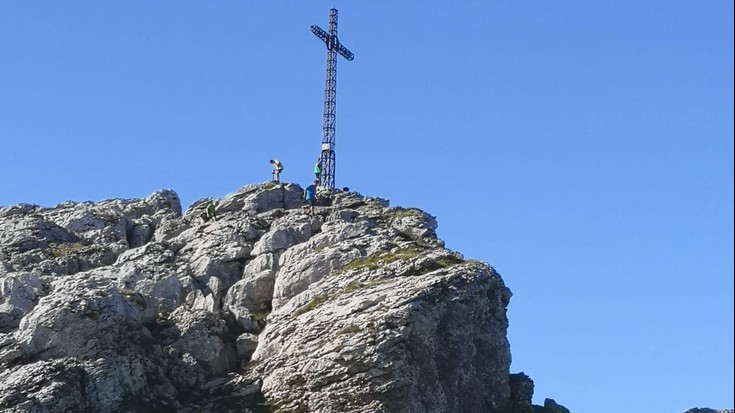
x,y
327,158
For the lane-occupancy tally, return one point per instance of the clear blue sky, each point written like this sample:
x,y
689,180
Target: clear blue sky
x,y
582,148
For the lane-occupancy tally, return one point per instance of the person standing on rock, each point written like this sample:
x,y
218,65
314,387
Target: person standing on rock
x,y
211,213
318,169
277,168
310,197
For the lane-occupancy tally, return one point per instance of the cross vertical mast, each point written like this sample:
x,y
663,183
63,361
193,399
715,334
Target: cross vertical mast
x,y
327,158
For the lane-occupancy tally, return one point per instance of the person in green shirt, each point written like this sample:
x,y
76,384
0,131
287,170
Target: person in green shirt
x,y
318,168
211,213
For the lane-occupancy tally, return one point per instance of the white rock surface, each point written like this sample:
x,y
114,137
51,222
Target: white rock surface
x,y
128,305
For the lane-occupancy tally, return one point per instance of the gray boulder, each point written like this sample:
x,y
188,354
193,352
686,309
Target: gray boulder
x,y
18,295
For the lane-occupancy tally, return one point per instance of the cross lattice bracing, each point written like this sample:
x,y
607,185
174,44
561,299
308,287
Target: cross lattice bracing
x,y
334,47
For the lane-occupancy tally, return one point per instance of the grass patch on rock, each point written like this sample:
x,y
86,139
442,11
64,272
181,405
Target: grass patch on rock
x,y
373,262
314,303
353,286
60,250
398,212
476,265
259,315
447,261
134,297
352,329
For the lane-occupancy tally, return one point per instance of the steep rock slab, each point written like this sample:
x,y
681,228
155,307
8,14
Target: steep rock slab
x,y
429,343
86,336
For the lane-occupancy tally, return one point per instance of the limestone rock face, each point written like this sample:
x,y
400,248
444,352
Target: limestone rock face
x,y
130,305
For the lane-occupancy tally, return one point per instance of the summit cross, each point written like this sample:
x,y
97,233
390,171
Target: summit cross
x,y
327,159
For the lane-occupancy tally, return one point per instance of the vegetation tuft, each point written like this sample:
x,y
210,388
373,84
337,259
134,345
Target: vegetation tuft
x,y
314,303
60,250
135,297
352,329
447,261
374,262
259,315
354,285
398,212
476,264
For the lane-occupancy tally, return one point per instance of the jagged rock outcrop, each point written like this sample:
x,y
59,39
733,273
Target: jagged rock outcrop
x,y
706,410
521,393
132,306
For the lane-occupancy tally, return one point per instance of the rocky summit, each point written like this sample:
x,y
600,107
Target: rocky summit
x,y
132,306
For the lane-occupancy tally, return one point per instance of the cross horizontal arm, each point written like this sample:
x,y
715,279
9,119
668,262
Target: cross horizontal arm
x,y
344,52
320,33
